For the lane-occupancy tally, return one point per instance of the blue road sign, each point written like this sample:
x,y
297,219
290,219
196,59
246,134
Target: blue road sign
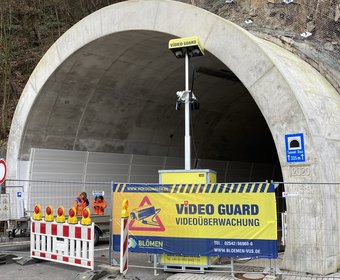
x,y
19,194
295,147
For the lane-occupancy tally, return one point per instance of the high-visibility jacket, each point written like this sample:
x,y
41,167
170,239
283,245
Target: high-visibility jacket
x,y
80,204
98,207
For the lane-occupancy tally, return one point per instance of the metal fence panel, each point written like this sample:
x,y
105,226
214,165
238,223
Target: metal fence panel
x,y
54,193
304,235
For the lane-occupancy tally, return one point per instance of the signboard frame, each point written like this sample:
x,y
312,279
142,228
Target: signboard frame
x,y
157,238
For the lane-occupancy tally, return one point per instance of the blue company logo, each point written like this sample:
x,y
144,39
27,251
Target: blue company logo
x,y
132,243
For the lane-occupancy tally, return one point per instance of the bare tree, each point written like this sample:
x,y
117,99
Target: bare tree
x,y
5,60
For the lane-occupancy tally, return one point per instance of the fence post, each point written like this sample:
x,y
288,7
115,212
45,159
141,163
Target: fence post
x,y
124,236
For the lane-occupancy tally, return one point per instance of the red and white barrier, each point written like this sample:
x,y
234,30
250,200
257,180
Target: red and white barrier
x,y
124,236
71,244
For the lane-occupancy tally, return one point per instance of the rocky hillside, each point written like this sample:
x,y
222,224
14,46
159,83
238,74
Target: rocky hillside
x,y
29,27
308,28
320,17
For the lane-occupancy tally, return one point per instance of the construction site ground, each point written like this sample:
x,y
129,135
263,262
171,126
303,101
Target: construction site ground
x,y
140,268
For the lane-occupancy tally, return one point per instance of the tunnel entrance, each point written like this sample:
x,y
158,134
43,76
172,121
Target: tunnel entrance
x,y
117,94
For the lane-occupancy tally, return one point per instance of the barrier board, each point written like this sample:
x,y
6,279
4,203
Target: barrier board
x,y
231,220
71,244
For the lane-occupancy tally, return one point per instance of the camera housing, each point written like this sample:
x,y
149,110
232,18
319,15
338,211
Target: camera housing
x,y
190,45
179,54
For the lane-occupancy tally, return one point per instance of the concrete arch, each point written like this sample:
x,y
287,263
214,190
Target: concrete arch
x,y
292,96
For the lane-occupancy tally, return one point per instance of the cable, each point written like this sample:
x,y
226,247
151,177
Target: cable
x,y
193,75
155,215
193,141
191,119
153,221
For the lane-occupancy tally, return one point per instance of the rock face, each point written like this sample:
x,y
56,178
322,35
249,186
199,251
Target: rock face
x,y
337,12
284,24
316,16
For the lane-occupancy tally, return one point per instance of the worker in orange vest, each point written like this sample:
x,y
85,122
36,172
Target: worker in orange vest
x,y
99,205
80,203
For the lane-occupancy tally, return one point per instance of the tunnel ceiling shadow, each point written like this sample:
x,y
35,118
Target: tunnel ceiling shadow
x,y
118,94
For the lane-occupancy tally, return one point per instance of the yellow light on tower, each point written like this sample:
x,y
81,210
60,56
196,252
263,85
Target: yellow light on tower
x,y
86,217
60,215
37,213
49,214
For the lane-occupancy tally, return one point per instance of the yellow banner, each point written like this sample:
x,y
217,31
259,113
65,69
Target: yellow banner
x,y
238,212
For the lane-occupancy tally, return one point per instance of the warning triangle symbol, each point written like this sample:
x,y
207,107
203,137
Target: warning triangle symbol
x,y
159,227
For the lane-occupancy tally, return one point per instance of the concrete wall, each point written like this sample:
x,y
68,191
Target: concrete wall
x,y
292,96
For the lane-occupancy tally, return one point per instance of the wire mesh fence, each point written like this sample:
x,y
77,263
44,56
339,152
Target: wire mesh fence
x,y
296,18
291,18
25,194
309,28
305,237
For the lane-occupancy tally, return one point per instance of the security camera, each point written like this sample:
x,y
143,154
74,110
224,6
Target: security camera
x,y
189,45
195,105
179,54
195,52
178,105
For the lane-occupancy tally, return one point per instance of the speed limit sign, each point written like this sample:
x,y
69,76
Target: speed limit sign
x,y
3,170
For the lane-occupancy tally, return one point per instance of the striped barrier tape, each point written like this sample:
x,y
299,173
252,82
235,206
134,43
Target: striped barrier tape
x,y
197,188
